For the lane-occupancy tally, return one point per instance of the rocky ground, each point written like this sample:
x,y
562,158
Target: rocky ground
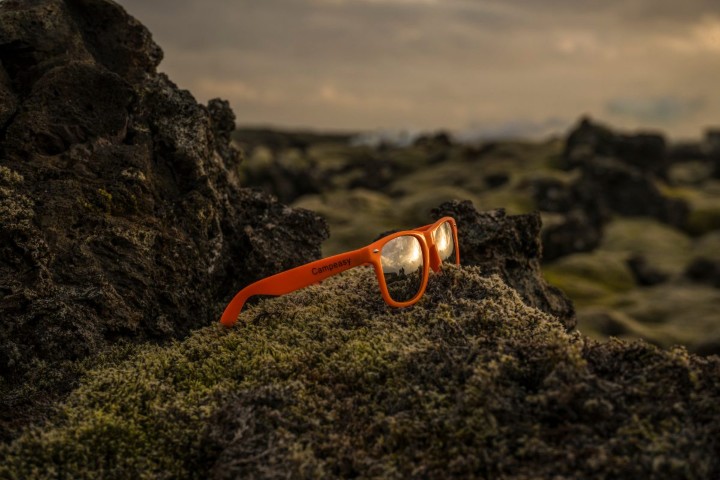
x,y
126,225
630,222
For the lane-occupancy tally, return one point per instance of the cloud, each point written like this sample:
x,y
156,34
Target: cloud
x,y
702,37
662,109
442,64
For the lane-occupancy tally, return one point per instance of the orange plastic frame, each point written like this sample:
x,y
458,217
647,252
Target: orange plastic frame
x,y
317,271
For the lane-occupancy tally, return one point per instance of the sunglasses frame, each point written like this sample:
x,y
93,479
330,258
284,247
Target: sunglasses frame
x,y
318,270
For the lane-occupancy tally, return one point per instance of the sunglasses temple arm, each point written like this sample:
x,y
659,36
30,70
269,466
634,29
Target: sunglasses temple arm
x,y
294,279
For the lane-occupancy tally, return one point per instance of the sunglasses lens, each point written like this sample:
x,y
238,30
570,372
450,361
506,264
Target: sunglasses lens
x,y
445,242
402,265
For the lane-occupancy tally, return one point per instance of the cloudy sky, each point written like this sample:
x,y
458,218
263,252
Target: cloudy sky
x,y
496,67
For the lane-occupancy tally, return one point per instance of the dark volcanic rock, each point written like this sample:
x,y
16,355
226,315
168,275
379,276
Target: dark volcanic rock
x,y
687,151
510,247
553,195
497,179
705,271
645,274
577,232
618,175
627,191
120,212
288,181
648,152
434,140
8,100
583,218
712,144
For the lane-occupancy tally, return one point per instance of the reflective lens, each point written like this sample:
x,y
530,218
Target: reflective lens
x,y
402,265
445,242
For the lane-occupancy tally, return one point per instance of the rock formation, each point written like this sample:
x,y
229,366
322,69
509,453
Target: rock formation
x,y
625,190
704,270
648,152
508,246
120,211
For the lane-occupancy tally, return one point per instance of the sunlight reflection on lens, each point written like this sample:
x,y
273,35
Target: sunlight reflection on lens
x,y
444,241
402,265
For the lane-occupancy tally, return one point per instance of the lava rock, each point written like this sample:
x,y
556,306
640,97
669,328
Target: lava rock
x,y
576,232
552,195
646,275
647,152
704,270
121,216
497,179
712,143
440,140
510,247
687,152
579,227
625,190
8,100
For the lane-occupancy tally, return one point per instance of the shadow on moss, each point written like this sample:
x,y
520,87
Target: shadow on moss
x,y
329,382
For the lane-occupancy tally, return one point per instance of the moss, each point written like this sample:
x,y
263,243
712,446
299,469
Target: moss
x,y
704,202
355,217
16,209
10,177
664,246
703,220
708,246
588,278
675,313
329,382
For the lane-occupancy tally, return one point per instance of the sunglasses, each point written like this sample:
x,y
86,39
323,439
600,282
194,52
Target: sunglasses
x,y
402,263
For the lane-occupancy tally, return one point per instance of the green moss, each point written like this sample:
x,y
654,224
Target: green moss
x,y
675,313
330,382
355,217
708,246
704,202
665,247
703,220
590,278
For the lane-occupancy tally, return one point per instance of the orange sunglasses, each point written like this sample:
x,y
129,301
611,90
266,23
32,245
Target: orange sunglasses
x,y
400,260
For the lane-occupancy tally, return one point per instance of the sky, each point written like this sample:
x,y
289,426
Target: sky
x,y
487,67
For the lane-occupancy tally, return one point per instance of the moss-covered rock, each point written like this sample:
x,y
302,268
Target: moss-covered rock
x,y
329,382
704,219
589,278
708,246
679,312
662,245
509,246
